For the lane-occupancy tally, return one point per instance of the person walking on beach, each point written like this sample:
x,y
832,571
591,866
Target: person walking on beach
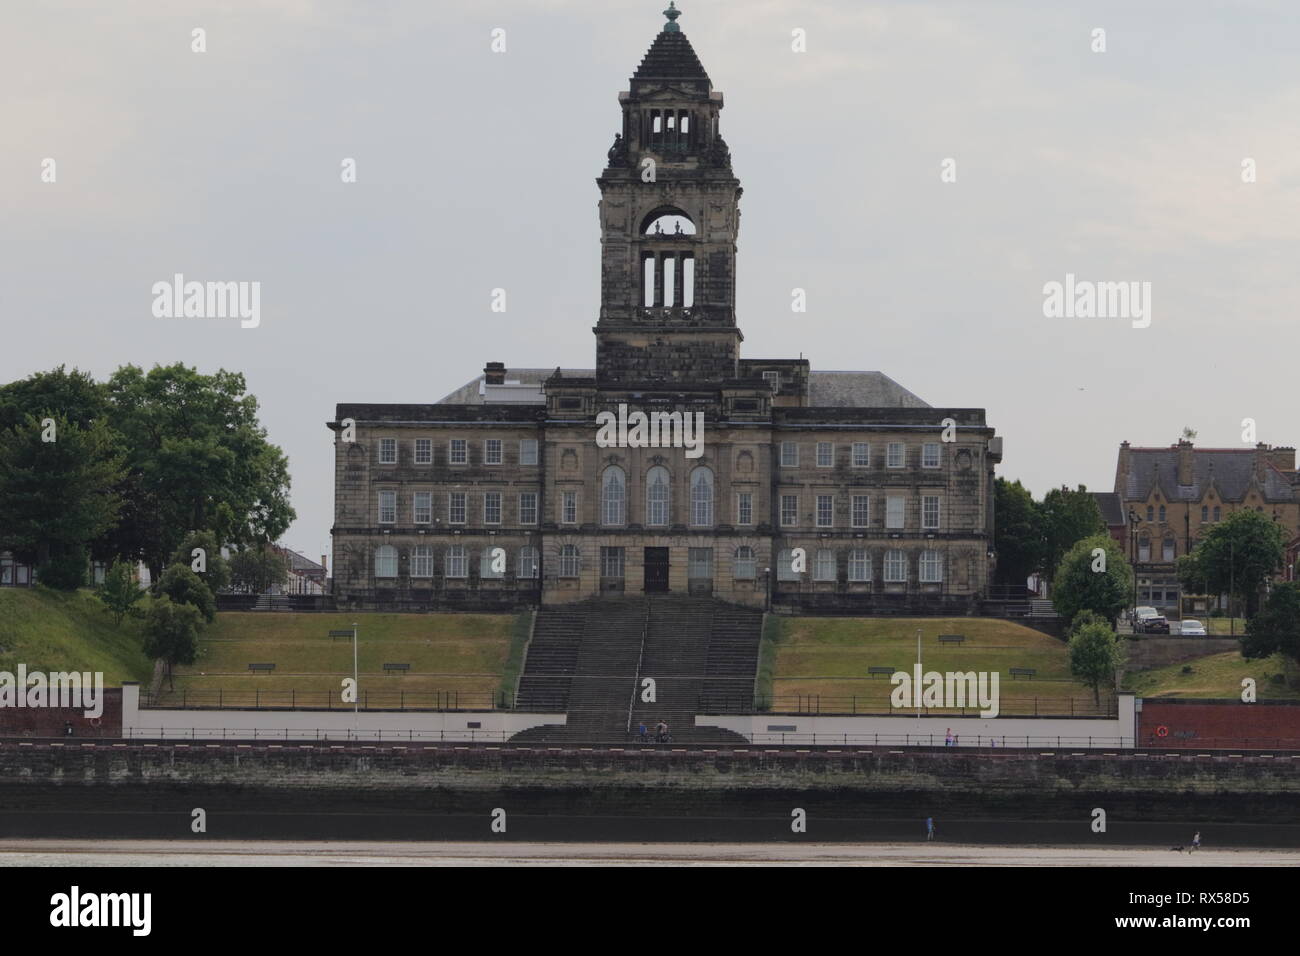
x,y
1196,841
929,828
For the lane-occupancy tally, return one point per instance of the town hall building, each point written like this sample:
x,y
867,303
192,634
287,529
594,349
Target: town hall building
x,y
838,490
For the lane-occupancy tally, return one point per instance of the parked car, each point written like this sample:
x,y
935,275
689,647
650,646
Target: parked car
x,y
1140,614
1191,628
1156,624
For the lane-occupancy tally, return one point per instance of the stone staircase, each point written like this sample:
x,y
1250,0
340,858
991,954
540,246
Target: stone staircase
x,y
589,660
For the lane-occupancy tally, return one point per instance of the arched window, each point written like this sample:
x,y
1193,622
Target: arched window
x,y
702,497
931,567
1162,514
824,569
1151,513
895,567
1144,549
527,562
385,561
569,561
658,495
859,565
1205,512
1168,550
457,562
745,568
1217,512
613,497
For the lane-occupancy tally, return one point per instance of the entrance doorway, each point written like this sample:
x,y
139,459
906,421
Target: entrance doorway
x,y
656,570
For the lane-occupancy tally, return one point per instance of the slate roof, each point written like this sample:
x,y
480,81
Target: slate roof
x,y
1111,507
671,56
825,389
1230,469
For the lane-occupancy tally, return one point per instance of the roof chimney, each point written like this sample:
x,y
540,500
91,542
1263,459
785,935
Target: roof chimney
x,y
1122,469
1283,459
324,566
1186,472
1261,461
494,373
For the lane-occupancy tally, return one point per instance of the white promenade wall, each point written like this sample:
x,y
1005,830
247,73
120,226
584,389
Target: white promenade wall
x,y
909,730
343,725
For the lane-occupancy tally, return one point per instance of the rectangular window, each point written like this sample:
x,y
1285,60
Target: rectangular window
x,y
424,451
492,451
491,507
789,510
458,452
861,455
825,511
894,512
611,562
825,454
569,561
422,507
388,451
824,569
773,380
930,455
789,454
388,507
456,507
569,508
386,562
745,568
457,563
894,457
422,561
528,507
785,566
861,511
528,451
745,508
859,565
931,567
700,563
895,567
930,511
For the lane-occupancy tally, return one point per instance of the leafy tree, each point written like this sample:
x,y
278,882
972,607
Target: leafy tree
x,y
1067,517
75,396
57,496
1018,533
120,590
1191,574
1087,583
198,458
217,573
258,568
171,633
1276,628
1095,656
1239,554
183,586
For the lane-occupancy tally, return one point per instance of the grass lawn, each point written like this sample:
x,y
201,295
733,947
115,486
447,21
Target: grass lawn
x,y
830,657
1214,675
471,656
64,631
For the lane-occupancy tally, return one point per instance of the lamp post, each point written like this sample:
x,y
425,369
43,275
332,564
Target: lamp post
x,y
767,588
356,684
1132,550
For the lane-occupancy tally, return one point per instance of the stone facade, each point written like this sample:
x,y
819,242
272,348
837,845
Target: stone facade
x,y
838,490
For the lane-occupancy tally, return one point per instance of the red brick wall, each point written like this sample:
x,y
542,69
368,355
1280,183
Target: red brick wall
x,y
1218,724
53,721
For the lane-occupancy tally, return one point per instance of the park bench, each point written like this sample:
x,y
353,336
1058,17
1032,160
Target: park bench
x,y
885,671
1022,672
397,667
335,635
261,667
952,638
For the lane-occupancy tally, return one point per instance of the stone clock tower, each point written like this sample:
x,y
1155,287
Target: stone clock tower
x,y
669,214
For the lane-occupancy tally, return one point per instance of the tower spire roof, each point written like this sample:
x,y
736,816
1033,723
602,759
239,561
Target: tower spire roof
x,y
671,56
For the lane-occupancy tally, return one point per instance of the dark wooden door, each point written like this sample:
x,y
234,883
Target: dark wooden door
x,y
656,570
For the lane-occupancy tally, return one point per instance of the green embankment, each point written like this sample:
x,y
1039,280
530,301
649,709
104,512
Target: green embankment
x,y
828,660
58,631
1215,676
468,659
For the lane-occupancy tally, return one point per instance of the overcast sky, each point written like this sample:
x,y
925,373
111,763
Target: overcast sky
x,y
476,170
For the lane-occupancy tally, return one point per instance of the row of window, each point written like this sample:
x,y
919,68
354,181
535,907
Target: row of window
x,y
825,566
1205,513
494,454
895,454
458,451
613,505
